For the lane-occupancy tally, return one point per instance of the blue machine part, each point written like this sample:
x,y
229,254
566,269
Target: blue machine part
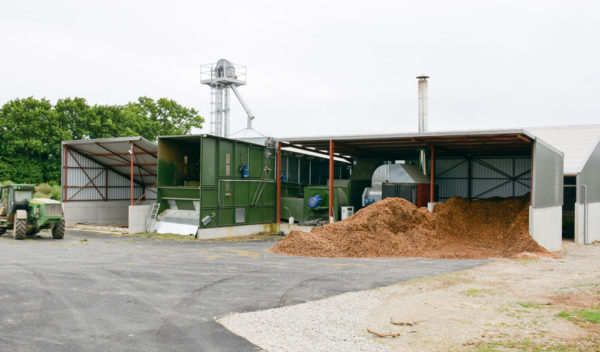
x,y
315,201
283,177
244,170
369,201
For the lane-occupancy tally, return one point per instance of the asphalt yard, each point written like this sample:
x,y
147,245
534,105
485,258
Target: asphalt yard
x,y
100,292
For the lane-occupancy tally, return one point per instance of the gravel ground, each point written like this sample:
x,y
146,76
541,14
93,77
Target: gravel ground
x,y
332,324
507,305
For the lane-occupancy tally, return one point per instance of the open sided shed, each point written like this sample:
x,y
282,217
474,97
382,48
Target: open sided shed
x,y
470,164
102,177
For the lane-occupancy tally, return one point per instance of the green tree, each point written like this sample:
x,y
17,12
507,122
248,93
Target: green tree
x,y
161,118
76,116
30,136
31,130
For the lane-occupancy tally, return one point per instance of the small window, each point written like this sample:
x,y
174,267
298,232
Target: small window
x,y
21,196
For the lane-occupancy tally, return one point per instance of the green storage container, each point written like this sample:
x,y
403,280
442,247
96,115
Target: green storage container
x,y
205,173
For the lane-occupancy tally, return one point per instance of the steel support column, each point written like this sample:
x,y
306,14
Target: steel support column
x,y
531,176
331,180
106,184
432,184
278,183
131,173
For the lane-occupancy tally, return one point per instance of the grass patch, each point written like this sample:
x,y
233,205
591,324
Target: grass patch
x,y
163,236
186,238
472,292
529,305
591,315
530,346
589,284
259,237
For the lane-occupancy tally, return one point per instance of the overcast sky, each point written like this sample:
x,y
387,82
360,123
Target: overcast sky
x,y
317,67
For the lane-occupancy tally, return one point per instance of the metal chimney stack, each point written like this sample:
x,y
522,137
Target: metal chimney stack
x,y
423,119
422,103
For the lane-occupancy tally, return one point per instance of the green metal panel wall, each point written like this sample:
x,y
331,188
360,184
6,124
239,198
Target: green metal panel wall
x,y
216,182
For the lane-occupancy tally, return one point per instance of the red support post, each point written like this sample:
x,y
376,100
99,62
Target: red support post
x,y
131,174
331,181
432,184
278,182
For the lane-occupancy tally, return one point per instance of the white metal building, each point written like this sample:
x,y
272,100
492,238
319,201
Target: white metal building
x,y
581,148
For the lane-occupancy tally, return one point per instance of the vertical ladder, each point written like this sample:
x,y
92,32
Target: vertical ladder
x,y
151,221
262,183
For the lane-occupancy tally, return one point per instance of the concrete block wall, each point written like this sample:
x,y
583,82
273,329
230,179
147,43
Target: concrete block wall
x,y
545,226
112,212
138,215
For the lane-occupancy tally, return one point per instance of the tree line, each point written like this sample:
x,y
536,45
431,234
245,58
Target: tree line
x,y
31,130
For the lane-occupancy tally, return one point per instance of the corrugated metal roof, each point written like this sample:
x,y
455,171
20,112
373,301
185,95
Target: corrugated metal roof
x,y
404,145
412,134
576,142
114,153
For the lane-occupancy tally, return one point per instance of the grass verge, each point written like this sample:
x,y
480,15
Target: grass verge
x,y
591,315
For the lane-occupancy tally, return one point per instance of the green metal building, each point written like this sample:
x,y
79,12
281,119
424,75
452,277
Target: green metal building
x,y
219,181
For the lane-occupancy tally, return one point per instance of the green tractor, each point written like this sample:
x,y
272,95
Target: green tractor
x,y
26,215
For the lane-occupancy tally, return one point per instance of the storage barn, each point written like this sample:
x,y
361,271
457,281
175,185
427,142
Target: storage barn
x,y
223,186
102,177
470,164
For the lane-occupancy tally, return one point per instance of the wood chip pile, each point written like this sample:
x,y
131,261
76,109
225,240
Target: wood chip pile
x,y
394,227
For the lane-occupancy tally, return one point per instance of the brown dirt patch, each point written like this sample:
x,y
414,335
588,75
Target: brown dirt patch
x,y
394,227
574,300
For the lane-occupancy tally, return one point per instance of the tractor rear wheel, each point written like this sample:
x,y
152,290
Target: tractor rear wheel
x,y
20,230
58,231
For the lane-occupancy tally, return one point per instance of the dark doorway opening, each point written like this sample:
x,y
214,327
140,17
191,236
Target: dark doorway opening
x,y
569,199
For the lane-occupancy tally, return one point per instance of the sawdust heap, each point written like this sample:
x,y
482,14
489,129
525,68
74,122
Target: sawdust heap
x,y
394,227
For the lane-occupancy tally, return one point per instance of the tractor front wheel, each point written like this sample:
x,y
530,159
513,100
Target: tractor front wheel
x,y
20,230
58,231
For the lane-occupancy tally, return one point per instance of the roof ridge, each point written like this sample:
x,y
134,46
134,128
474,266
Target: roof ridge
x,y
564,126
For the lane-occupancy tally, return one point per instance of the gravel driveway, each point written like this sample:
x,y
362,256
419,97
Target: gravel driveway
x,y
97,292
527,304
